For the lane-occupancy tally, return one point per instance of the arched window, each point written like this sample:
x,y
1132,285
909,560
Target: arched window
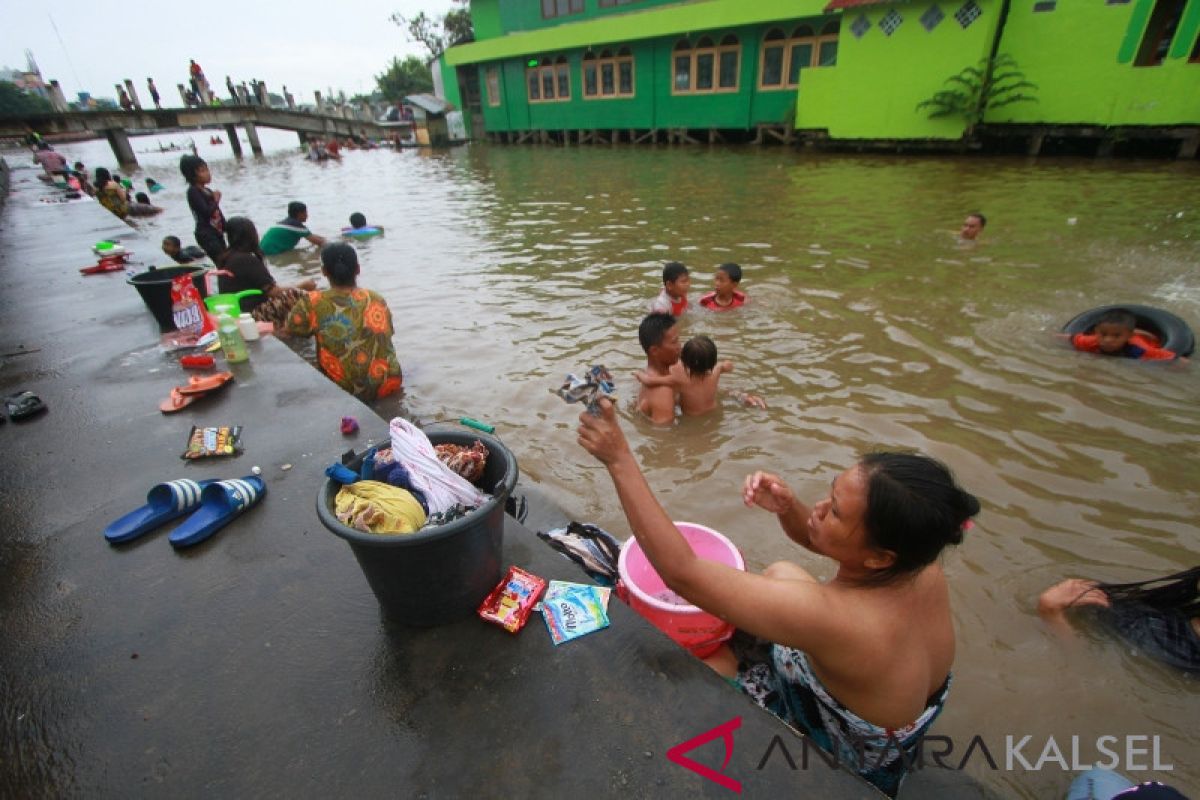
x,y
774,50
683,66
827,45
562,71
709,66
784,58
549,79
610,76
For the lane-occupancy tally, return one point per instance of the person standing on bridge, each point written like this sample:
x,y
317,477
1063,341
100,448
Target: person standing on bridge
x,y
232,89
206,208
153,92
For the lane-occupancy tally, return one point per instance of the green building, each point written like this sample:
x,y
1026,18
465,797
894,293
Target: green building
x,y
838,69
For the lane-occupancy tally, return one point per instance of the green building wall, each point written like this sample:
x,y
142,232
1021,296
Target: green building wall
x,y
879,79
1079,54
1081,57
653,104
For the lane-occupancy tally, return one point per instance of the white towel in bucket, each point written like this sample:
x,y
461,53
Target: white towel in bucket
x,y
443,488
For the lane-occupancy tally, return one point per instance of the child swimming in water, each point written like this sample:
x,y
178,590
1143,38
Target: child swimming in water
x,y
1116,334
696,377
725,294
359,228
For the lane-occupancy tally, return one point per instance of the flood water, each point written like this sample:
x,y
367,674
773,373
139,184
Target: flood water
x,y
869,327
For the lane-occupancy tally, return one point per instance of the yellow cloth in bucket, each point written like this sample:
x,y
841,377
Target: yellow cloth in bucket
x,y
377,507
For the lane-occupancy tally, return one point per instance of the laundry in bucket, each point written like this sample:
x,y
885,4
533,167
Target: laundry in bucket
x,y
511,602
374,507
597,382
572,610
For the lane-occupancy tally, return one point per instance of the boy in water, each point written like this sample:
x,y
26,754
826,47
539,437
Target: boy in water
x,y
696,378
660,340
287,233
673,297
725,294
1115,335
180,254
972,226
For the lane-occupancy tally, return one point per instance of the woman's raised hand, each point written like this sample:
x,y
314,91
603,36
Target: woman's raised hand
x,y
601,435
768,492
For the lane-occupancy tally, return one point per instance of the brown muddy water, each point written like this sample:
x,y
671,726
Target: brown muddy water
x,y
869,326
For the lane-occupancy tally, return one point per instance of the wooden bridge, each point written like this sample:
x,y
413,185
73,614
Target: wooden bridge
x,y
116,124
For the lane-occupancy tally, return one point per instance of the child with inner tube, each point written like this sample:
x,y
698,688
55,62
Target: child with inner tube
x,y
1116,334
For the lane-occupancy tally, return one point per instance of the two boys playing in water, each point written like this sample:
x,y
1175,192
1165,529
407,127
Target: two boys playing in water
x,y
690,373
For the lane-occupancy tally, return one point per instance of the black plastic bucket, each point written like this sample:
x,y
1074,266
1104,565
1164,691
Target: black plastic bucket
x,y
439,574
154,286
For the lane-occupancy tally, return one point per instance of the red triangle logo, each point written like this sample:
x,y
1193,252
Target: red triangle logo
x,y
725,732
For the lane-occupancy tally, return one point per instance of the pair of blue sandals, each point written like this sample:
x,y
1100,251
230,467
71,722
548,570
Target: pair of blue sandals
x,y
211,504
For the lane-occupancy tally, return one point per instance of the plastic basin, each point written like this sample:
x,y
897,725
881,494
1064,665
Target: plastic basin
x,y
697,630
440,574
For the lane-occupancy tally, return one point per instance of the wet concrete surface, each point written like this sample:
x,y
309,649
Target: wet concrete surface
x,y
258,663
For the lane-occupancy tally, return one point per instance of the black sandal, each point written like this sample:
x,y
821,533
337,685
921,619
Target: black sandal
x,y
23,405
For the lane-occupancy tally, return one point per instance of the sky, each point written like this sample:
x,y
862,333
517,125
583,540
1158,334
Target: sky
x,y
304,44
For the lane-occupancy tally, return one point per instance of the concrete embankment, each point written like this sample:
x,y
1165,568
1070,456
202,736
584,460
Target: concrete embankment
x,y
257,663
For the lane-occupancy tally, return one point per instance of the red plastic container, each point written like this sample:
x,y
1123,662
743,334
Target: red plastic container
x,y
697,630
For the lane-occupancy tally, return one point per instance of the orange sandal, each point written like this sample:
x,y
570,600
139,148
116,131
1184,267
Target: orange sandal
x,y
203,384
177,401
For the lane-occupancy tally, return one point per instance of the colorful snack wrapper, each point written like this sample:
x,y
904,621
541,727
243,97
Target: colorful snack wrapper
x,y
208,442
574,609
511,602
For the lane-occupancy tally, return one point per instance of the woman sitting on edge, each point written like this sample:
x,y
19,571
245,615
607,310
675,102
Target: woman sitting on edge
x,y
861,663
244,268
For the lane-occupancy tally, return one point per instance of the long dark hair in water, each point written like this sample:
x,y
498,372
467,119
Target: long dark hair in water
x,y
1157,616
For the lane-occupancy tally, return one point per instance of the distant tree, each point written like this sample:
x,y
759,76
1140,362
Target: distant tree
x,y
453,28
973,91
15,101
410,76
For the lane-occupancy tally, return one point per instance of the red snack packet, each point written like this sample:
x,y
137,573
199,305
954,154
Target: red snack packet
x,y
187,308
511,602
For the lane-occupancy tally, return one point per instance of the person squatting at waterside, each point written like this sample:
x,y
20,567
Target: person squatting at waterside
x,y
859,663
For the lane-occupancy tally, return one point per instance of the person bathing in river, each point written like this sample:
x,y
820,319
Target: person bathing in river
x,y
180,254
1159,617
1116,334
695,377
972,226
725,294
660,341
353,328
860,663
673,297
287,233
246,269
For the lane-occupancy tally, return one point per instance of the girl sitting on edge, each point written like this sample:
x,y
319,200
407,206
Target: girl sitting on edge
x,y
353,327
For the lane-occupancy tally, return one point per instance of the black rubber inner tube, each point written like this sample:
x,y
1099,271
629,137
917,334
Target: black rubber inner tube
x,y
1173,333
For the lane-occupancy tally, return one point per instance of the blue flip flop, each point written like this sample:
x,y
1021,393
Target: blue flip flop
x,y
165,502
220,502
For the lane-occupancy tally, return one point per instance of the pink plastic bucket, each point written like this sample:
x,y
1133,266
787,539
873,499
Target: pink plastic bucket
x,y
697,630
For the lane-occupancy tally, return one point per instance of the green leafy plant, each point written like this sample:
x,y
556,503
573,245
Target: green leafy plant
x,y
970,93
